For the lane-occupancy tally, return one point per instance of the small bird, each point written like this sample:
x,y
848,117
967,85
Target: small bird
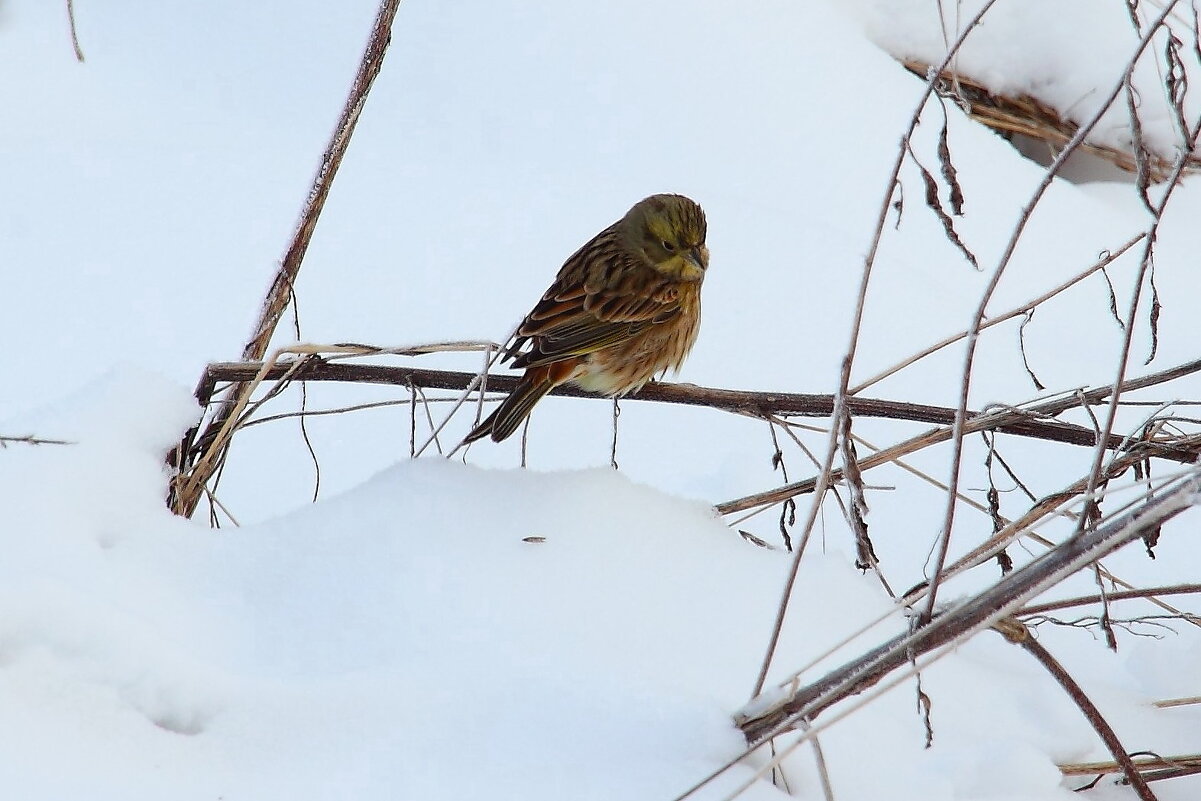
x,y
624,308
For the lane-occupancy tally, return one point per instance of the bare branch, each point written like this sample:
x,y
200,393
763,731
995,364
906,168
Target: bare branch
x,y
30,439
1017,633
281,286
1034,422
1085,600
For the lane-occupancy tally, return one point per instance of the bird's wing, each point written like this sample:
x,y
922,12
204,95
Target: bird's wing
x,y
577,318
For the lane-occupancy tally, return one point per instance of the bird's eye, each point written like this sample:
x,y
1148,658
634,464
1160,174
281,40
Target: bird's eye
x,y
669,247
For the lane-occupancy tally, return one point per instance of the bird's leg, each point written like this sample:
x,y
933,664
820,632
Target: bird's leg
x,y
525,439
613,450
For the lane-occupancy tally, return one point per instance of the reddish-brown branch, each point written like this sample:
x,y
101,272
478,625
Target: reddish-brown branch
x,y
1125,595
1088,709
1037,425
1035,422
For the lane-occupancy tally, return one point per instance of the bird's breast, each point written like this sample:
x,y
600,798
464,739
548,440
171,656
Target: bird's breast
x,y
626,366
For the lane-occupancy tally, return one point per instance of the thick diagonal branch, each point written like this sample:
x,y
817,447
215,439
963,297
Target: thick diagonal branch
x,y
184,496
985,609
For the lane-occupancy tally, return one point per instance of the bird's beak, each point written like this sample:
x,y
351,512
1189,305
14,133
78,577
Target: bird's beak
x,y
694,256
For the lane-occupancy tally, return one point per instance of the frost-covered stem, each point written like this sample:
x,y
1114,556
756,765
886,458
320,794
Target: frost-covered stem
x,y
280,290
1054,504
985,609
331,160
957,429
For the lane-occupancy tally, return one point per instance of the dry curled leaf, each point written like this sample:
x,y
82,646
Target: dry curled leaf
x,y
949,174
935,205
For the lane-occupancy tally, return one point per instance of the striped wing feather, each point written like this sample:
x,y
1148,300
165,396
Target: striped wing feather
x,y
573,321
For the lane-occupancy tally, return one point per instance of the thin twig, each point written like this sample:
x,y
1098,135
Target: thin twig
x,y
356,407
30,439
1085,600
977,422
961,416
480,380
74,32
823,773
1144,265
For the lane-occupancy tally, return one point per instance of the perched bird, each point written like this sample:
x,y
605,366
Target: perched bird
x,y
624,308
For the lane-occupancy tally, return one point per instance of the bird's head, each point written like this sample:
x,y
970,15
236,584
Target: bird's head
x,y
670,231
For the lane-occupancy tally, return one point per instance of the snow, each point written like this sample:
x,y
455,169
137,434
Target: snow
x,y
373,641
405,640
430,629
1069,57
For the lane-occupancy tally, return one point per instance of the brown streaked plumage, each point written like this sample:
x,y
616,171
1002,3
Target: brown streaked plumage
x,y
624,308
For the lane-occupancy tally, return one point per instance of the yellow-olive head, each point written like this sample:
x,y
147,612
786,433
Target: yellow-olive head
x,y
670,231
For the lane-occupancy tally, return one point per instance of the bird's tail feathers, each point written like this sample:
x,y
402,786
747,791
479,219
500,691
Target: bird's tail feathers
x,y
510,414
482,430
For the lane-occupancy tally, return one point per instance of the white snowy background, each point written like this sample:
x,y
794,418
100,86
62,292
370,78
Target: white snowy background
x,y
399,639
